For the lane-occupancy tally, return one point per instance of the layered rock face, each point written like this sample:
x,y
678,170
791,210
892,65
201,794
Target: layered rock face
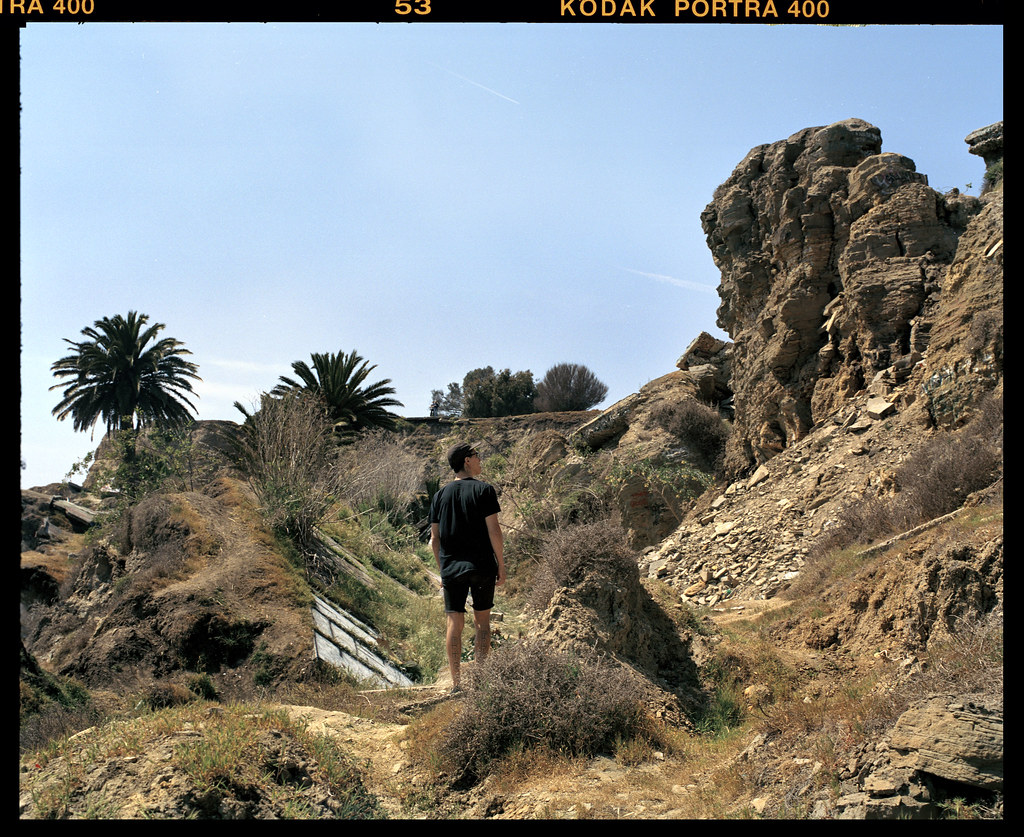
x,y
832,256
965,350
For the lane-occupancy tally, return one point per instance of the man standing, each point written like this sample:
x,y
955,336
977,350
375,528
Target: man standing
x,y
467,543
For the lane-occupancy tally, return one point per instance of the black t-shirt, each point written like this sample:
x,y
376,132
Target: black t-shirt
x,y
460,510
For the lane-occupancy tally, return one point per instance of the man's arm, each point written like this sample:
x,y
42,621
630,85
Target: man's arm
x,y
435,543
497,544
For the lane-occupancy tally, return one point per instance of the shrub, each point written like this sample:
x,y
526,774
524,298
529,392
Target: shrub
x,y
674,483
934,481
162,694
966,661
50,706
938,478
531,695
569,554
54,722
993,176
202,686
269,666
698,425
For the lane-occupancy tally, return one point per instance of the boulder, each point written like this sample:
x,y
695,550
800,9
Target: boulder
x,y
955,741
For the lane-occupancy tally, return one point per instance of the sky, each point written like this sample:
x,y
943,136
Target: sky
x,y
438,198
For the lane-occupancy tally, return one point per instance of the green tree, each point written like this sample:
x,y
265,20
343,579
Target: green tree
x,y
486,393
338,380
569,386
448,403
125,376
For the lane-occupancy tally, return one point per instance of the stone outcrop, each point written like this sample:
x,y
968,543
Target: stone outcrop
x,y
987,143
208,442
957,742
941,741
965,347
751,539
709,362
603,608
194,588
830,251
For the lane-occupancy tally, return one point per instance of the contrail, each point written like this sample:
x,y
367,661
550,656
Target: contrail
x,y
672,280
477,84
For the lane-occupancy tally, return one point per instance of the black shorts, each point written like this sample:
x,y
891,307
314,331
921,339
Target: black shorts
x,y
456,590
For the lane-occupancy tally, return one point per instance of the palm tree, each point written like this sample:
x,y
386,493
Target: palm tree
x,y
122,374
338,380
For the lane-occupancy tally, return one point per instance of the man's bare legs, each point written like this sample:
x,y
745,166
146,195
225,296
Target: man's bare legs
x,y
482,641
453,641
453,644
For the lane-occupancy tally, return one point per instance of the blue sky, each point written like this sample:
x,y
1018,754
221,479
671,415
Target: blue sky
x,y
439,198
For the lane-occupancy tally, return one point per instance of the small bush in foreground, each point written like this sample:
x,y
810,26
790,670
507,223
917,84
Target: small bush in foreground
x,y
529,695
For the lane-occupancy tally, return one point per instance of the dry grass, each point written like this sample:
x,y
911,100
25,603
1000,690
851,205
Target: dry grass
x,y
56,563
966,661
379,471
287,451
233,751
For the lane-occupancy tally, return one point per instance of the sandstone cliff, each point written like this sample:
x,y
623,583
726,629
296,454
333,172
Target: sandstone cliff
x,y
834,257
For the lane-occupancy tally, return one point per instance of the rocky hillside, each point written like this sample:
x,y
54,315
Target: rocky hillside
x,y
791,546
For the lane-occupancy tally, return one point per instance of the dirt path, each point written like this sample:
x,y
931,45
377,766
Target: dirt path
x,y
377,746
739,609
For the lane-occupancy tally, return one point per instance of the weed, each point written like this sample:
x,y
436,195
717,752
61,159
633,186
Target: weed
x,y
202,686
269,667
161,695
633,751
993,176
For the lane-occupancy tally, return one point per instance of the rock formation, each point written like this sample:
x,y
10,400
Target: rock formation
x,y
939,741
831,253
987,143
602,607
